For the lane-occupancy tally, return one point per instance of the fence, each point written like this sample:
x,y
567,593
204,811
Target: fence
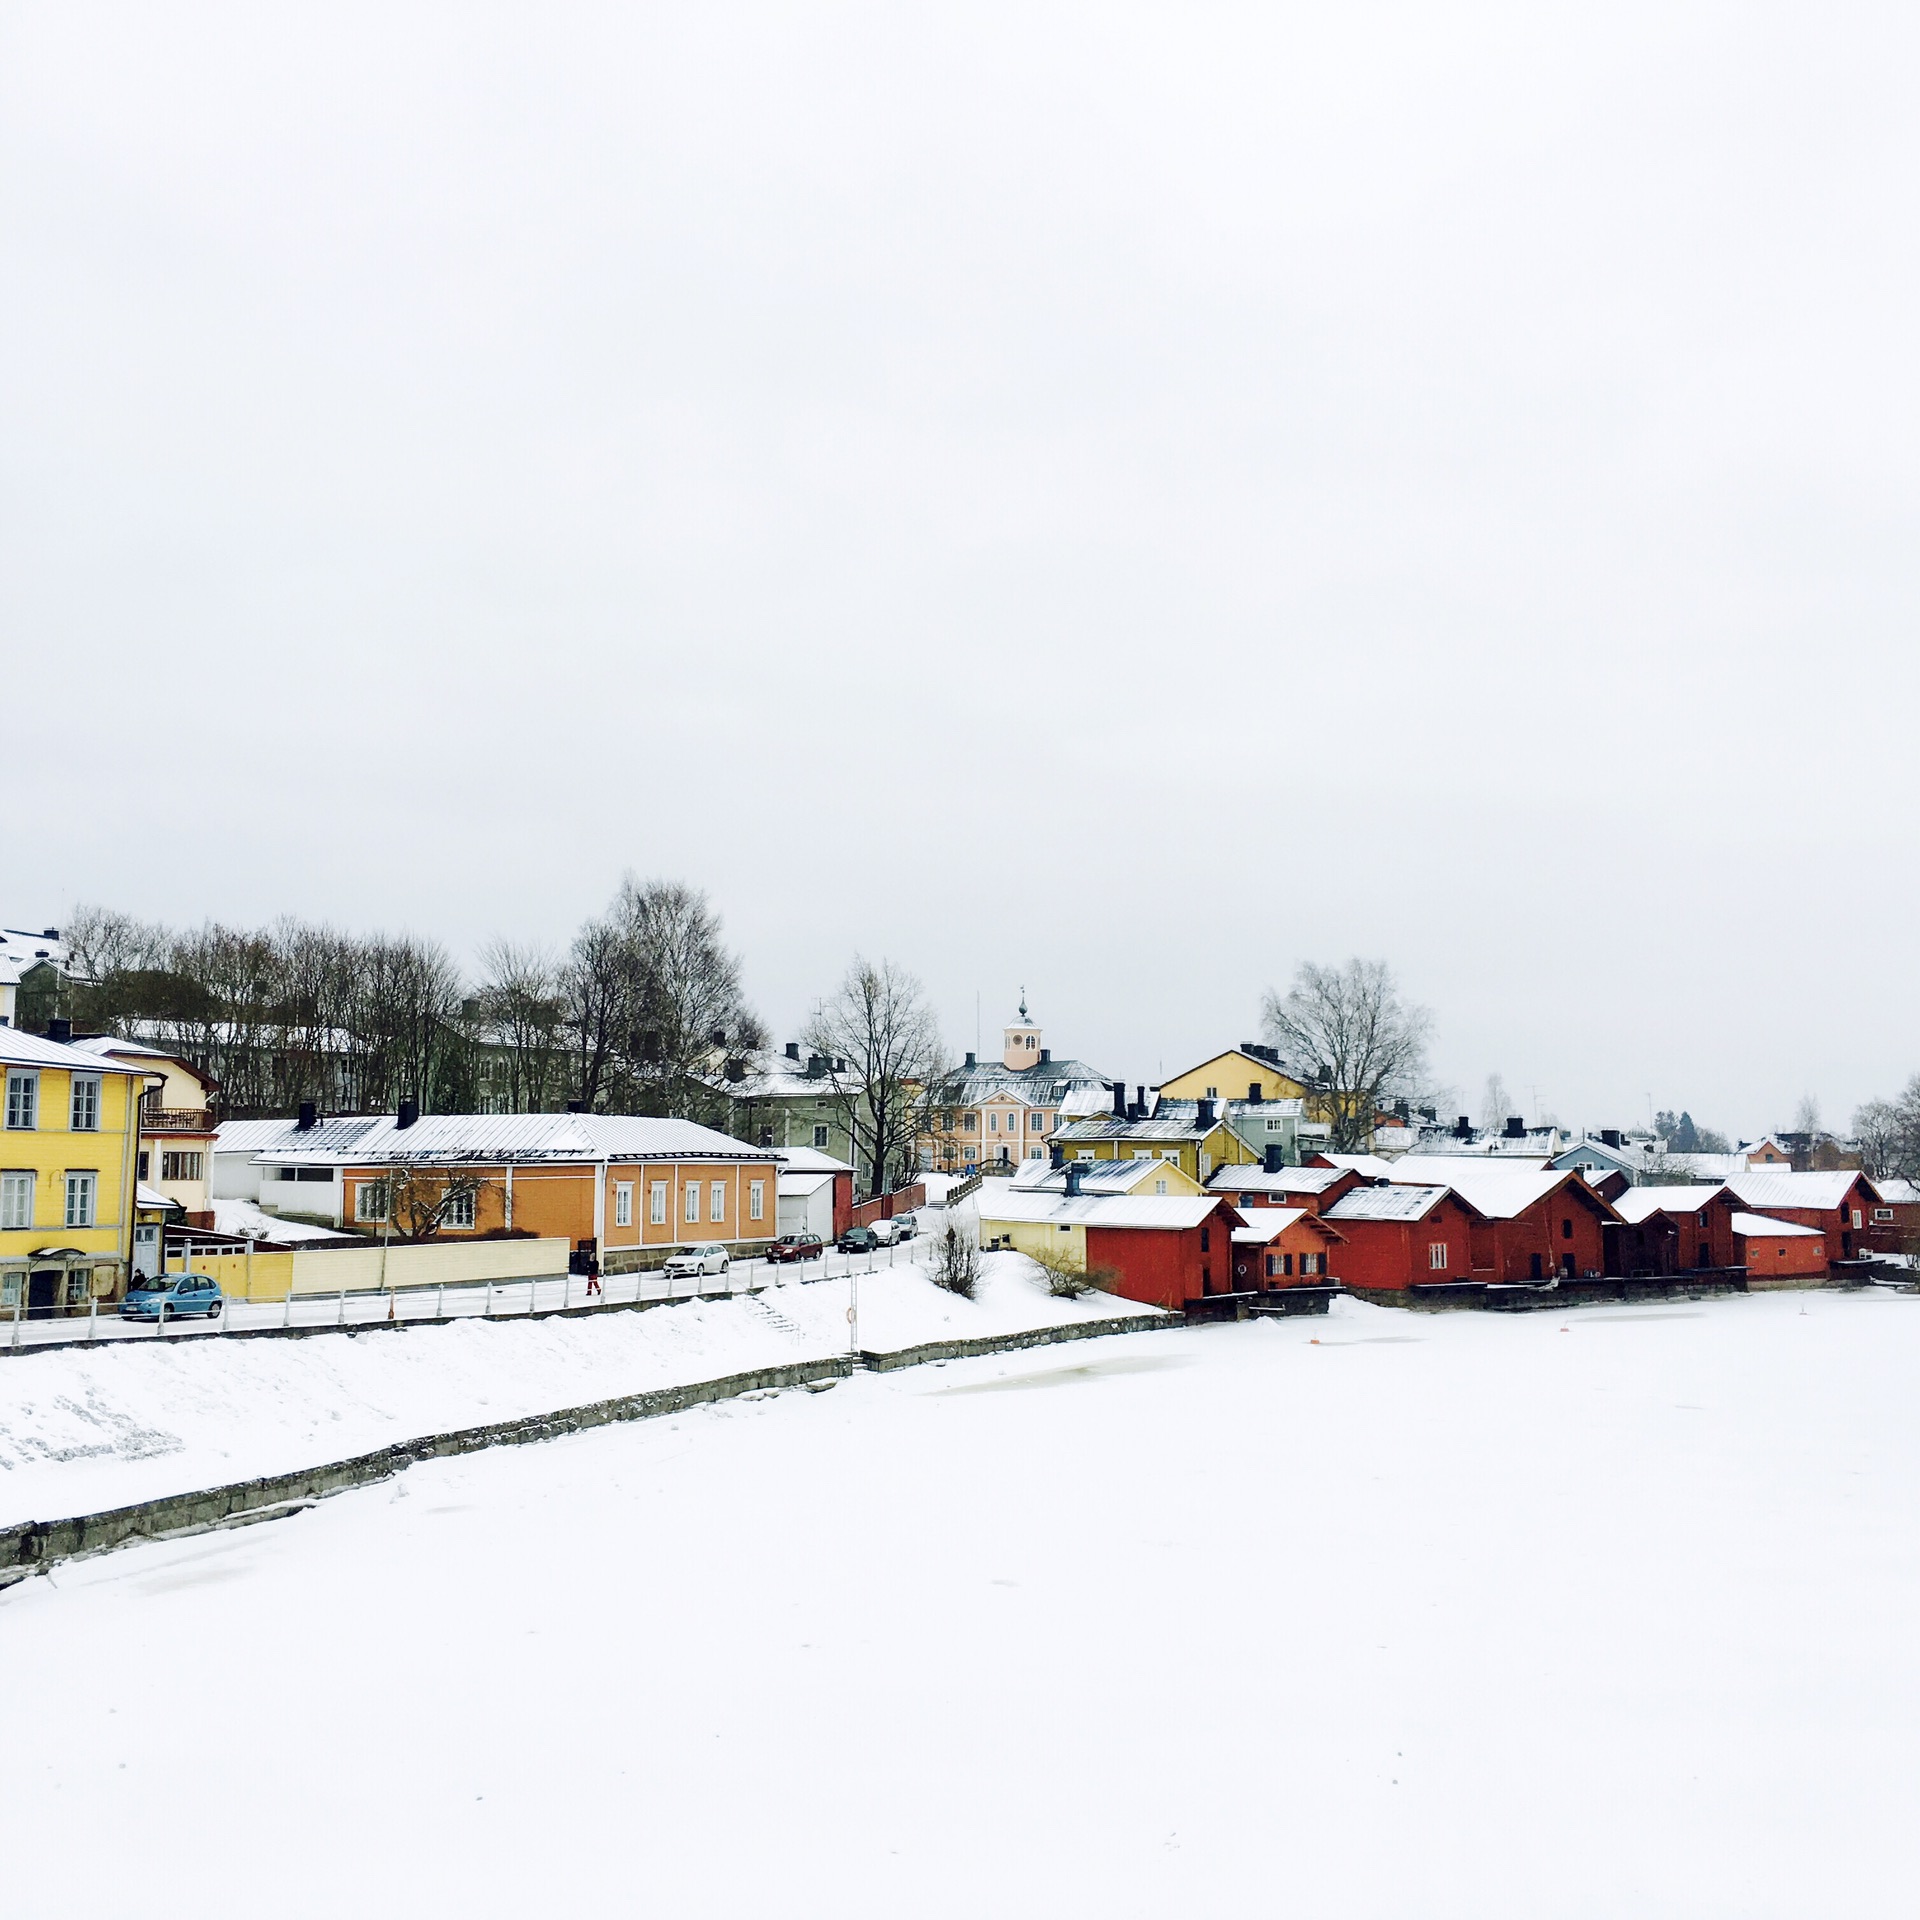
x,y
303,1310
377,1269
885,1206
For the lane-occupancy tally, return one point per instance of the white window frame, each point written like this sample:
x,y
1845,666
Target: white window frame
x,y
459,1211
1857,1223
690,1203
822,1137
716,1203
1309,1263
623,1203
83,1198
23,1100
16,1200
657,1203
186,1162
756,1199
83,1103
1436,1256
372,1205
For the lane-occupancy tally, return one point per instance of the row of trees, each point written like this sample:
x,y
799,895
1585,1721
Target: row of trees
x,y
1888,1135
630,1018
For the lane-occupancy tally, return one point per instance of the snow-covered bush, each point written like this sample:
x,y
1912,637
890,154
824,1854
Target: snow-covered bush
x,y
956,1264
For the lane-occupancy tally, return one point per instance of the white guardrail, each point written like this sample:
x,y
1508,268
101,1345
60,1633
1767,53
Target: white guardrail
x,y
495,1300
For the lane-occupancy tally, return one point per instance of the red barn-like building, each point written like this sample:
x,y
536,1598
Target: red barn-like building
x,y
1282,1247
1313,1188
1535,1221
1839,1205
1399,1238
1670,1230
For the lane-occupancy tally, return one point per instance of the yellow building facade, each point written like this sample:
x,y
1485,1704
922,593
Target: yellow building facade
x,y
69,1137
1234,1075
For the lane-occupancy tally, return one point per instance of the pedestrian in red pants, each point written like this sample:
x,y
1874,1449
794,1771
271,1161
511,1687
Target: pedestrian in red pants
x,y
593,1279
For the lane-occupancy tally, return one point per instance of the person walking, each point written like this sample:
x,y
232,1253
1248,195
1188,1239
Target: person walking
x,y
593,1276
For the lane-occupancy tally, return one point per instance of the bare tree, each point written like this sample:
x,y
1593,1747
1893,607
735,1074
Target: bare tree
x,y
956,1262
1495,1104
1877,1129
422,1199
1806,1116
887,1069
1361,1042
523,1009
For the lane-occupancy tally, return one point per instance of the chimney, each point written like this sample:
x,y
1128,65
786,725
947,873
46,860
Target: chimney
x,y
1463,1128
576,1106
1046,1056
793,1049
719,1036
817,1066
1074,1176
1119,1099
1140,1100
309,1117
839,1066
1136,1110
1609,1136
1206,1116
1516,1127
60,1030
1057,1154
49,933
1253,1092
735,1070
469,1009
408,1115
1276,1156
972,1062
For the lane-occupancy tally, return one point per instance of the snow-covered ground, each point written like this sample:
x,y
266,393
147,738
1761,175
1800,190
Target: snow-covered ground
x,y
83,1429
1601,1614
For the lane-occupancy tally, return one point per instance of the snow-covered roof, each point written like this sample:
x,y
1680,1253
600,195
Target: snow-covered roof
x,y
1775,1187
18,1049
1281,1180
242,1220
1757,1224
1370,1164
1386,1203
808,1160
151,1197
460,1138
1178,1212
1046,1083
1096,1176
1896,1192
1638,1203
1111,1128
1498,1188
1264,1225
802,1186
107,1043
20,949
1702,1166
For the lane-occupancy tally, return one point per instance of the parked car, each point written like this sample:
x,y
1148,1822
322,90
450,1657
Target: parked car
x,y
905,1226
693,1260
798,1246
173,1296
858,1240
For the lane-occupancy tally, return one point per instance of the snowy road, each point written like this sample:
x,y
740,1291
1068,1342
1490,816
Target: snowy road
x,y
1550,1618
503,1299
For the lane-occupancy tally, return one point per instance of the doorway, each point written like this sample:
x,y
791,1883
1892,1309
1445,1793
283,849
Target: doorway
x,y
43,1292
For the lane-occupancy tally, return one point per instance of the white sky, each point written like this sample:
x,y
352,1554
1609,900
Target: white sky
x,y
1110,500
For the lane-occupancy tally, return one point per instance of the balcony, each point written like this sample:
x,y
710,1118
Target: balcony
x,y
175,1119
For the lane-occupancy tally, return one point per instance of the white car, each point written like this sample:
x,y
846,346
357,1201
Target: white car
x,y
696,1260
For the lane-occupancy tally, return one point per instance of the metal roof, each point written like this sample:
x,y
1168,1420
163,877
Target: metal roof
x,y
462,1138
1281,1180
1498,1188
1387,1203
18,1049
1637,1203
1776,1188
1758,1224
1170,1210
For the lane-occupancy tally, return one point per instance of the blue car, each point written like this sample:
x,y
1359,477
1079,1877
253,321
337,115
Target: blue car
x,y
172,1296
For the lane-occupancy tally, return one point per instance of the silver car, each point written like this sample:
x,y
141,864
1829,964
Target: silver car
x,y
696,1260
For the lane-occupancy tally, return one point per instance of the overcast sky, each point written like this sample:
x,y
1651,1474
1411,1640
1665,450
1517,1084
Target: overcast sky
x,y
1108,500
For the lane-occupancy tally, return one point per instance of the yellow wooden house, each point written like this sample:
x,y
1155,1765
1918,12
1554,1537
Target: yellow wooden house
x,y
1235,1075
69,1140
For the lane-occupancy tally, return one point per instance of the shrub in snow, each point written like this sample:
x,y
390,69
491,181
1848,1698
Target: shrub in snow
x,y
1064,1271
957,1264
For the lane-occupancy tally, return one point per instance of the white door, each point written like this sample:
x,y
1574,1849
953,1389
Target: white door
x,y
146,1248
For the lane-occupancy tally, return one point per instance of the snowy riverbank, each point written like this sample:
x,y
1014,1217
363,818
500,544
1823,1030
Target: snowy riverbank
x,y
84,1429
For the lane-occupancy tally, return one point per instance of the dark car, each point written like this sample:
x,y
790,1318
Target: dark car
x,y
859,1240
797,1246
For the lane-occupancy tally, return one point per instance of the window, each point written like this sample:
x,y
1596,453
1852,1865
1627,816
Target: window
x,y
182,1165
1039,1123
1273,1266
1083,1153
1856,1216
970,1124
1169,1153
1033,1040
766,1136
1206,1238
1159,1186
1566,1229
370,1202
1206,1165
1141,1153
23,1099
821,1136
1309,1263
458,1210
140,1167
692,1192
1883,1213
623,1203
993,1123
756,1199
10,1289
1276,1126
657,1203
79,1284
1036,1153
80,1196
1213,1093
717,1200
16,1200
84,1115
1437,1255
